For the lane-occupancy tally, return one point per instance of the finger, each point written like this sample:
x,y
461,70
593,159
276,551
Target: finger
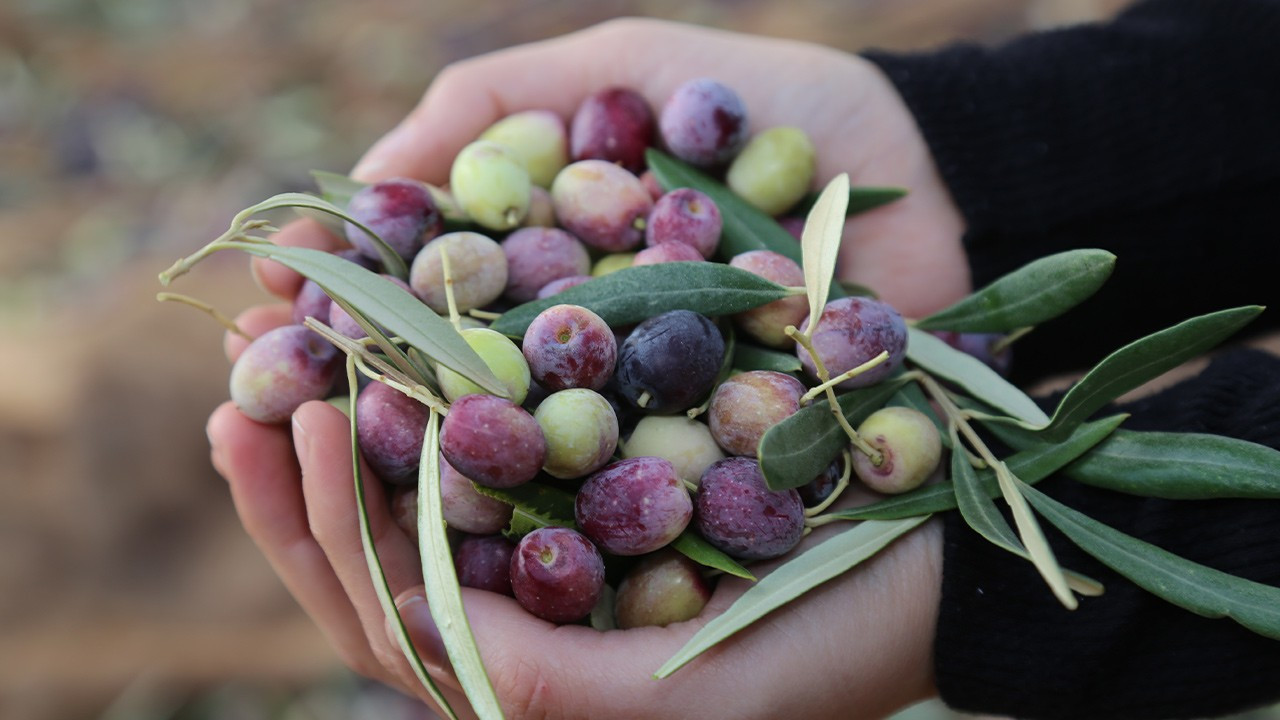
x,y
258,462
321,435
254,322
280,280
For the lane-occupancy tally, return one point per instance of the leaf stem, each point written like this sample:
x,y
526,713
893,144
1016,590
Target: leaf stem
x,y
375,368
205,307
847,374
1003,343
1028,529
448,289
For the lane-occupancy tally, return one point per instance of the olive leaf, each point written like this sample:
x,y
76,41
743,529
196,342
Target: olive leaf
x,y
444,595
393,352
861,199
789,581
1036,292
339,189
972,374
392,263
534,506
980,513
638,293
796,450
692,546
1180,466
1032,465
754,357
820,245
380,585
386,304
1191,586
1143,360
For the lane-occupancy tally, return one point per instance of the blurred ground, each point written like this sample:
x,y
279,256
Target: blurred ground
x,y
130,132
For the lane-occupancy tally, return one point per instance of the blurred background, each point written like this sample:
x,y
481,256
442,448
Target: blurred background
x,y
130,132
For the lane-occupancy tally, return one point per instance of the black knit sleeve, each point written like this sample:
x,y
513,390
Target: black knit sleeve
x,y
1153,136
1005,646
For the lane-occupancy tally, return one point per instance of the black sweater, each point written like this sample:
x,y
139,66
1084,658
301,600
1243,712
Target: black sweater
x,y
1154,137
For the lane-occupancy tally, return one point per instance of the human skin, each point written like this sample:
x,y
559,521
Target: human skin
x,y
858,646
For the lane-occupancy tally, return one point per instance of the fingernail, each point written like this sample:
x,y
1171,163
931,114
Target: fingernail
x,y
416,616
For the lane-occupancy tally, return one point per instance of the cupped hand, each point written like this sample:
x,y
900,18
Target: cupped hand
x,y
858,646
908,251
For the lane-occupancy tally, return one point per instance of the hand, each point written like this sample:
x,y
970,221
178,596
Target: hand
x,y
856,647
909,251
859,646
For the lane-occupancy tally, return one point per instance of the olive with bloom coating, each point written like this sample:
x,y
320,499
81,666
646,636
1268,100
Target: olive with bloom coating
x,y
537,256
667,253
581,431
401,211
910,448
282,369
774,170
739,514
463,506
670,361
767,324
557,574
602,204
685,216
569,346
389,429
663,588
851,331
476,263
484,563
493,441
746,405
633,506
615,125
503,359
538,138
704,123
687,444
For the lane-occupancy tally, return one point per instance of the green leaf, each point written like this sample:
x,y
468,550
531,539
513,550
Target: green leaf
x,y
820,244
972,374
390,349
386,304
754,357
979,511
535,506
802,573
1143,360
692,546
1032,465
392,263
638,293
1180,466
444,596
337,188
1191,586
795,450
380,585
861,199
1036,292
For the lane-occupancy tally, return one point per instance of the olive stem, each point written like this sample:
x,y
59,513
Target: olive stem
x,y
840,487
375,368
483,314
854,438
448,289
208,309
847,374
1028,529
1003,343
